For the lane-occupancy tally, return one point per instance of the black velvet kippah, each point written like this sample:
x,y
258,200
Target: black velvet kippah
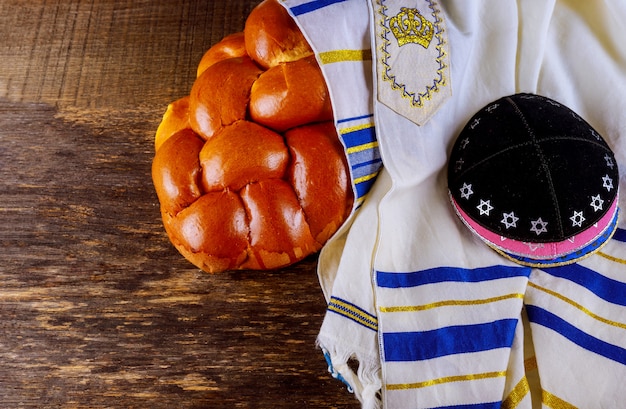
x,y
529,169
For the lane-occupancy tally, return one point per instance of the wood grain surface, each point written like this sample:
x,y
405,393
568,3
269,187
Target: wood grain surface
x,y
97,309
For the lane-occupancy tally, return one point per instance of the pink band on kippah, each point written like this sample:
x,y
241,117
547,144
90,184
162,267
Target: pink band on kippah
x,y
539,251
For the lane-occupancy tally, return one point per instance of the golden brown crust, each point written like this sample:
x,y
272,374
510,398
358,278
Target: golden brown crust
x,y
319,176
273,37
175,118
231,46
212,232
240,154
279,232
220,95
289,95
249,170
176,171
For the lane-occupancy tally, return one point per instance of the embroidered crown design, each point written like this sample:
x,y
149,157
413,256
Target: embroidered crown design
x,y
409,26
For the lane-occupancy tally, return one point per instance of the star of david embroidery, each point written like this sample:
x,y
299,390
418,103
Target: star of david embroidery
x,y
597,203
534,246
595,134
459,164
466,191
607,183
577,219
492,108
539,226
609,161
484,207
509,220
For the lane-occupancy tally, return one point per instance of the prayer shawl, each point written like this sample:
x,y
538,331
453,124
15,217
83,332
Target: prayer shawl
x,y
431,316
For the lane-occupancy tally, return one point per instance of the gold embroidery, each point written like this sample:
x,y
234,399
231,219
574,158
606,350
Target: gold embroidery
x,y
543,265
448,303
517,394
522,389
329,57
365,178
578,306
555,402
354,313
417,99
361,148
409,26
447,379
564,263
360,200
356,128
608,257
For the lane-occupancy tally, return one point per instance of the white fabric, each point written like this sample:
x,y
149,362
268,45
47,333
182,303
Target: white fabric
x,y
434,318
404,38
342,47
350,329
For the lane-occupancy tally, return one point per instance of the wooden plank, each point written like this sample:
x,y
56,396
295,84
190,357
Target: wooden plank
x,y
97,309
109,53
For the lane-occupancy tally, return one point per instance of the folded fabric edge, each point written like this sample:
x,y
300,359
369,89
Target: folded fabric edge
x,y
365,383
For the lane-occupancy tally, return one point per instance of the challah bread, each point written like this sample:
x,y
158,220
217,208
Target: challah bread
x,y
176,118
220,95
212,233
230,46
279,233
249,170
240,154
289,95
176,170
319,177
272,36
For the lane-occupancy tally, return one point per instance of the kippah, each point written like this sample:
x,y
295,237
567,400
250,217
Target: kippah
x,y
534,181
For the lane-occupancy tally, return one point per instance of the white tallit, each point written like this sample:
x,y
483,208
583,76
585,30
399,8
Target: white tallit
x,y
433,317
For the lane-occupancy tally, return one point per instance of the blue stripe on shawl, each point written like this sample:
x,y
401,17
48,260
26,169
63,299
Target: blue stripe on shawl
x,y
606,288
312,6
620,235
459,339
359,137
353,312
356,118
446,274
547,319
364,187
365,162
376,162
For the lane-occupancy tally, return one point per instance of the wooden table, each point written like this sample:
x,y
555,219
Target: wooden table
x,y
97,309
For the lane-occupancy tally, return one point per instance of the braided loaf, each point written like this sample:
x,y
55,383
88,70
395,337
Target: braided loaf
x,y
249,171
